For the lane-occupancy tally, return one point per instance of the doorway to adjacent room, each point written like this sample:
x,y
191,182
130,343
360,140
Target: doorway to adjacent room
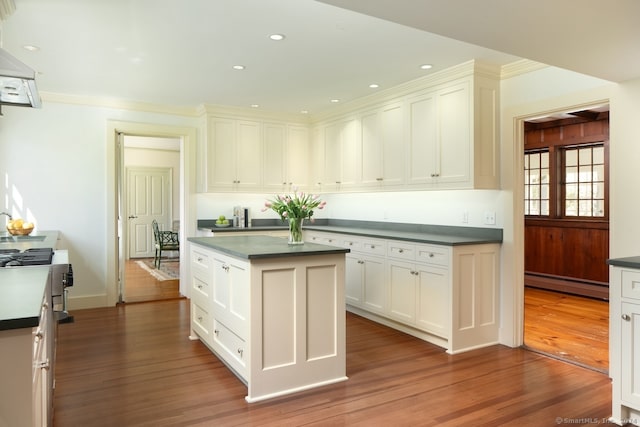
x,y
566,236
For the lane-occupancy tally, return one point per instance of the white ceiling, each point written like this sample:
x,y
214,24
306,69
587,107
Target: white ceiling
x,y
593,37
181,52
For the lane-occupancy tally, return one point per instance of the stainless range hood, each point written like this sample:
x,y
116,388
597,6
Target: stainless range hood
x,y
17,83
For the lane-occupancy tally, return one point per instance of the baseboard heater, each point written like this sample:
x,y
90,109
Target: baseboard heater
x,y
585,288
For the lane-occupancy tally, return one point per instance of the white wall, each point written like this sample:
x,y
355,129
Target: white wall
x,y
418,207
53,167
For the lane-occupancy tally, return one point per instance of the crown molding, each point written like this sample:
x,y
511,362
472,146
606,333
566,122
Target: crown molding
x,y
226,111
520,67
91,101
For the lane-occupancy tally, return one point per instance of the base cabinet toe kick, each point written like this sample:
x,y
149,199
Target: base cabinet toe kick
x,y
277,322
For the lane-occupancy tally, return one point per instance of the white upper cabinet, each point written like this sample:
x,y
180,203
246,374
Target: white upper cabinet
x,y
298,156
382,133
437,135
439,142
317,158
244,155
341,156
234,154
286,157
275,152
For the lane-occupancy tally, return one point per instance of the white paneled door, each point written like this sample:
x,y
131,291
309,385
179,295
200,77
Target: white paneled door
x,y
148,198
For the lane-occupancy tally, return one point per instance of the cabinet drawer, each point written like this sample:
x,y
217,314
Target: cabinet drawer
x,y
200,321
200,289
374,247
233,347
631,284
431,254
200,260
401,250
352,243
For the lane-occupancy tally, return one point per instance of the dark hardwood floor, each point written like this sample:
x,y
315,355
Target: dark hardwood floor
x,y
140,286
569,327
133,365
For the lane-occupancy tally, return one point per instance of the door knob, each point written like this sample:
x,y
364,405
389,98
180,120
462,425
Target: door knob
x,y
626,317
132,217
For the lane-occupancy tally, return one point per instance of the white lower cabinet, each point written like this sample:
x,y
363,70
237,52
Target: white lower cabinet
x,y
624,343
26,394
417,295
220,305
447,295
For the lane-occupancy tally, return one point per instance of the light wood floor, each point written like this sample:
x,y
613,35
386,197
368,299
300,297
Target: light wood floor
x,y
133,365
569,327
140,286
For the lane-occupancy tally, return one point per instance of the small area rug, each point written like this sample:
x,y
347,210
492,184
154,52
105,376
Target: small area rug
x,y
169,268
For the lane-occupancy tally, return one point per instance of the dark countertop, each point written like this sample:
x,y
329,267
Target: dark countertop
x,y
262,247
630,262
22,291
37,239
418,233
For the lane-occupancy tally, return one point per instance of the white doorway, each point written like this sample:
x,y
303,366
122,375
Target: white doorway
x,y
186,184
147,194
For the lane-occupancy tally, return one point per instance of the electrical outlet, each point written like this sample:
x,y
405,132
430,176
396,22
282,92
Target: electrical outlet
x,y
490,218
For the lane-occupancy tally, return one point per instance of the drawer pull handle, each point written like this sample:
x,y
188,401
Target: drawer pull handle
x,y
431,255
200,319
216,332
200,287
240,351
626,317
199,259
400,251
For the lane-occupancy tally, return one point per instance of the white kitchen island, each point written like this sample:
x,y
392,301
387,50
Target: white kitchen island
x,y
273,313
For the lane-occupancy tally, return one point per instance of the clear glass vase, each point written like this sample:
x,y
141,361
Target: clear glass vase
x,y
295,231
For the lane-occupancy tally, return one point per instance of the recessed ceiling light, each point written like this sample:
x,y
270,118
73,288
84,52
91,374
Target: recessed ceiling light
x,y
276,37
374,86
426,66
304,111
31,47
335,101
254,105
238,67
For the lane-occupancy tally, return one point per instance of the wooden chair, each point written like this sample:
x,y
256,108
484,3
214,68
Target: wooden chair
x,y
164,240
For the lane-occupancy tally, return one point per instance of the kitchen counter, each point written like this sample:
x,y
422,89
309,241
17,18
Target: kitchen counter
x,y
22,290
37,239
418,233
261,247
629,262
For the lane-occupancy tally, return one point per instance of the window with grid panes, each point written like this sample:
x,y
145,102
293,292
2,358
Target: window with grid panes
x,y
584,181
536,183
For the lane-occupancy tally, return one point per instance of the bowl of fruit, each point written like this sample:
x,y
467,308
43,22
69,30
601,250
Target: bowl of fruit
x,y
222,221
18,227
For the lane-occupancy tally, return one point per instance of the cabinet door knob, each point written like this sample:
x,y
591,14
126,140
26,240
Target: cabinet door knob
x,y
626,317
